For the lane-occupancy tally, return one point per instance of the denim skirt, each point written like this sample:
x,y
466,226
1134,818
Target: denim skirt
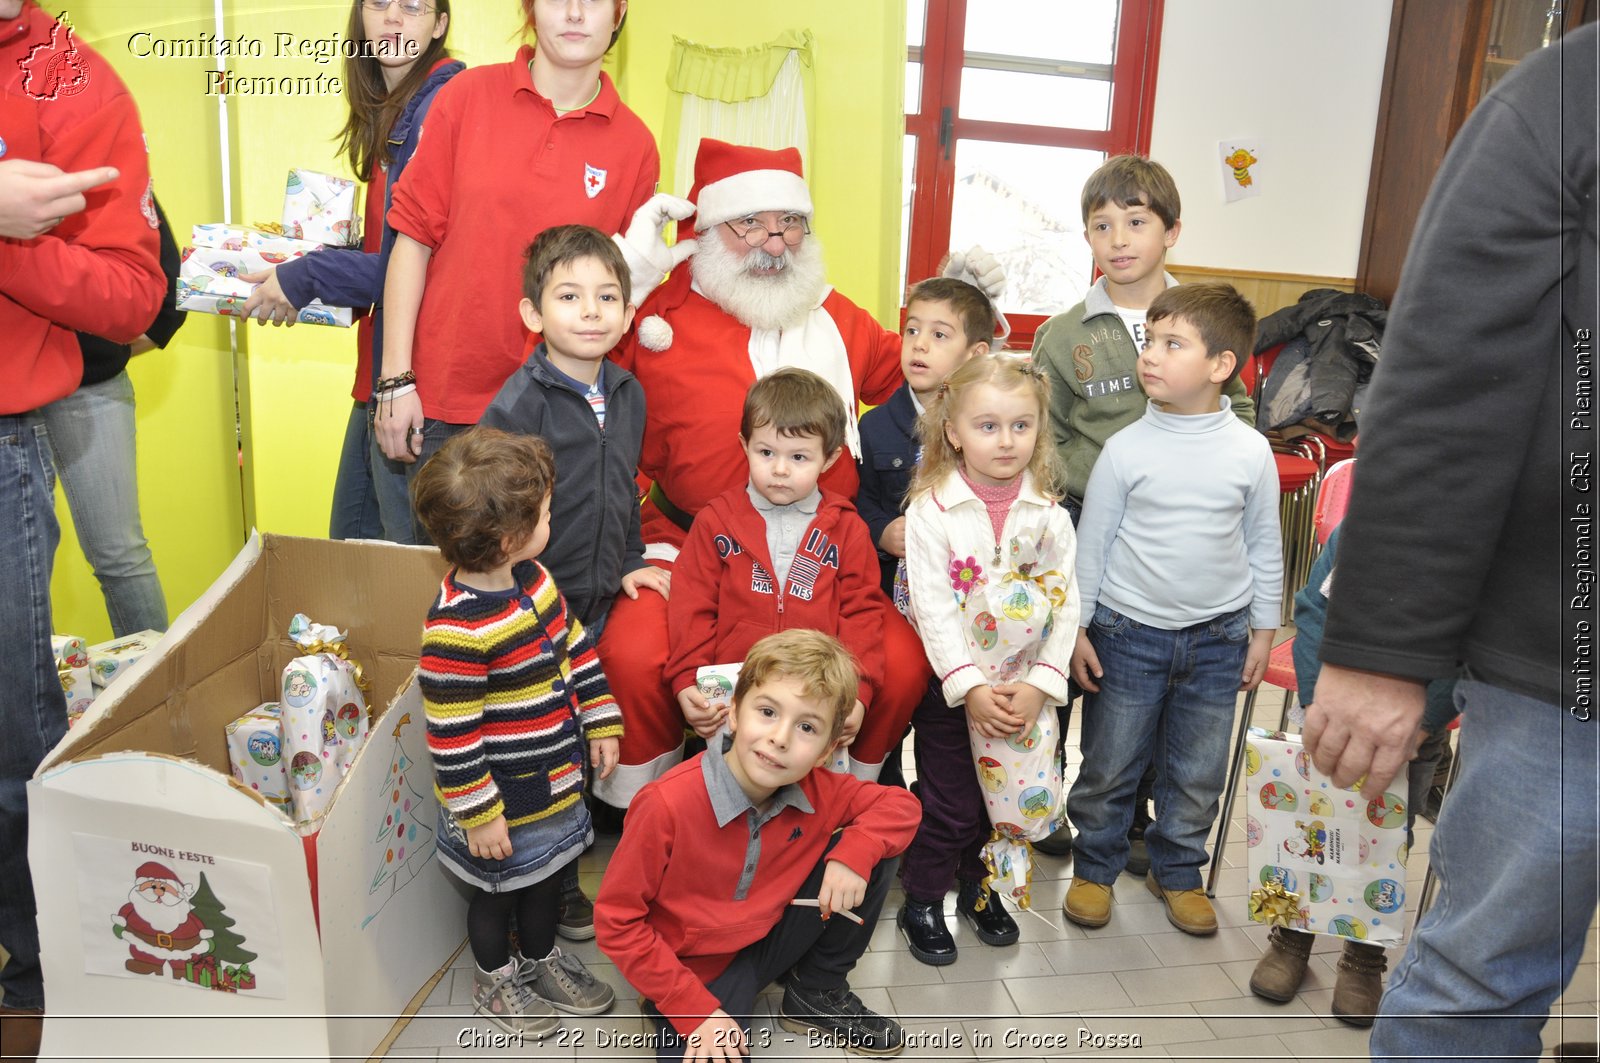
x,y
538,850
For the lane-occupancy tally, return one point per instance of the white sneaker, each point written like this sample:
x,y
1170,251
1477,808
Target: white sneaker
x,y
502,998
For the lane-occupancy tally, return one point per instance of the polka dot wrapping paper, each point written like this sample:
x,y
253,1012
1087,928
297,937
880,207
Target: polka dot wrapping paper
x,y
1340,857
255,751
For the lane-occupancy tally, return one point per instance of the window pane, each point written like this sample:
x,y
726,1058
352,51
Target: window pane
x,y
1082,30
1021,202
1035,99
908,189
913,88
916,15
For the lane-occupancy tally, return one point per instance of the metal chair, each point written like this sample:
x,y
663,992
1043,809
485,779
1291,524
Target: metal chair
x,y
1331,501
1430,882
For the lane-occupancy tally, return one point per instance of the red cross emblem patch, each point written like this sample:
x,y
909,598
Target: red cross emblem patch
x,y
594,179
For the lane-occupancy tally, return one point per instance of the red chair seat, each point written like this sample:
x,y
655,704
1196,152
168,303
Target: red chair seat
x,y
1280,667
1294,471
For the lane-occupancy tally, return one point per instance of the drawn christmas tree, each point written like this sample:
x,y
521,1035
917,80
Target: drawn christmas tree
x,y
402,837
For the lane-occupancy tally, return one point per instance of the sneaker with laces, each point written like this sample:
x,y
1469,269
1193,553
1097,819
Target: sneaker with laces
x,y
565,983
577,916
500,997
842,1019
1188,910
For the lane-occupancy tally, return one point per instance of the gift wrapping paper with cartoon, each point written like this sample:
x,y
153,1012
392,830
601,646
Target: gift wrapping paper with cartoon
x,y
72,665
1010,609
208,282
321,208
255,753
324,715
108,660
1322,858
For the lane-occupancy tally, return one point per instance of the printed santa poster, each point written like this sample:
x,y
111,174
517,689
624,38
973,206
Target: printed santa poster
x,y
151,908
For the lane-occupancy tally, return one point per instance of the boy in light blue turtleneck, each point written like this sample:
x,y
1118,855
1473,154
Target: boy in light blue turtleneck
x,y
1180,576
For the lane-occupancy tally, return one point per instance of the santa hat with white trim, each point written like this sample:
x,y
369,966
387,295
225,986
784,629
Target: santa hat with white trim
x,y
160,872
733,180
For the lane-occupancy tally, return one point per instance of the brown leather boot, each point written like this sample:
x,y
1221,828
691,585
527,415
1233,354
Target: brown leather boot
x,y
1282,967
20,1032
1359,986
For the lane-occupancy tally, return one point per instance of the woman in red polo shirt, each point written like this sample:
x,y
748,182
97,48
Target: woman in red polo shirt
x,y
389,92
510,150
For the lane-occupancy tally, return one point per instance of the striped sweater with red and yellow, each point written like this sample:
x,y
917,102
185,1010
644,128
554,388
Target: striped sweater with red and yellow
x,y
512,689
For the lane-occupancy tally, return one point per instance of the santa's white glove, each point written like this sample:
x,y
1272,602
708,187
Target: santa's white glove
x,y
983,271
645,245
978,268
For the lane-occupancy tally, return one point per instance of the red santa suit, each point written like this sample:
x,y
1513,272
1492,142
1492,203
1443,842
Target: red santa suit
x,y
696,364
150,947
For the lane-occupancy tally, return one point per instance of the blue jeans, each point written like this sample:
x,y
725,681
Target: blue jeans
x,y
355,501
1167,697
391,481
91,435
33,709
1515,851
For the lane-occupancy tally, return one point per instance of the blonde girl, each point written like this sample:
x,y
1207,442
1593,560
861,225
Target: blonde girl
x,y
989,558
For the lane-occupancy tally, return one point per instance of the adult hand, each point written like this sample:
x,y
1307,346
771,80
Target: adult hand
x,y
698,712
1086,663
657,579
399,426
990,712
35,197
978,268
603,754
1362,723
719,1037
491,841
645,245
893,539
267,302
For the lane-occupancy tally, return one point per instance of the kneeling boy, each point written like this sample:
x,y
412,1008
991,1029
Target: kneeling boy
x,y
733,863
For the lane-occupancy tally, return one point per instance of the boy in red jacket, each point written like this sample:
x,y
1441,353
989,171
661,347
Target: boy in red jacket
x,y
777,553
734,862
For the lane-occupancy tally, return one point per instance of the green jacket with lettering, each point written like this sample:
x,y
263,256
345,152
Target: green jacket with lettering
x,y
1095,392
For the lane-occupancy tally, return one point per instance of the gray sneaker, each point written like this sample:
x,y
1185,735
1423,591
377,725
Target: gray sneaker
x,y
563,981
500,997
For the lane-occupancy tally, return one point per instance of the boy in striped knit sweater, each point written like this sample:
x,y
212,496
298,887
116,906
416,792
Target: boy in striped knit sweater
x,y
512,689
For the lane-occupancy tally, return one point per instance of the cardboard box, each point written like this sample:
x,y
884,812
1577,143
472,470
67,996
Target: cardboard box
x,y
315,935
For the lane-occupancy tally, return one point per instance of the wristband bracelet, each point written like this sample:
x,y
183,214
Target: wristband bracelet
x,y
390,383
395,393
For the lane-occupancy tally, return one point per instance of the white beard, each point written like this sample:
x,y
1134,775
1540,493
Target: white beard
x,y
775,301
165,918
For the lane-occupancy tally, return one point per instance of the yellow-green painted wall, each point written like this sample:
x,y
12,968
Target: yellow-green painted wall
x,y
197,498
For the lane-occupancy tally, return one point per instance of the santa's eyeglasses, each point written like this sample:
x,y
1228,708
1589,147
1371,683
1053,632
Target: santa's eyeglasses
x,y
754,232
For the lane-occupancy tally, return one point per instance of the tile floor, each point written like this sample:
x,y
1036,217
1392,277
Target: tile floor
x,y
1182,997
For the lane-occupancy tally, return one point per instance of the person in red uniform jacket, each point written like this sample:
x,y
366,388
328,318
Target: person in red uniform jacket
x,y
78,251
754,298
507,151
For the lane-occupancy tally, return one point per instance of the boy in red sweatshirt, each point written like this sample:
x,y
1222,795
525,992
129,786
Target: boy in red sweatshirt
x,y
778,553
747,862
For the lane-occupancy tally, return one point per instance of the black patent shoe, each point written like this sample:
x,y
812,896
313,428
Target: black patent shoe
x,y
926,934
841,1020
993,925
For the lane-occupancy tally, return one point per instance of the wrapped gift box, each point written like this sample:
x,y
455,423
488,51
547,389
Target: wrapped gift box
x,y
348,915
208,283
77,679
248,238
108,660
321,207
1321,858
255,752
324,715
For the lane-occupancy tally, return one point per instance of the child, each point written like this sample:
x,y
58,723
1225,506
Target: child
x,y
1358,986
733,862
513,690
947,322
777,553
989,559
591,413
1179,559
1130,219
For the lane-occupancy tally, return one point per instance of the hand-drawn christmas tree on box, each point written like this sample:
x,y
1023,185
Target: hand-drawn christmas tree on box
x,y
401,842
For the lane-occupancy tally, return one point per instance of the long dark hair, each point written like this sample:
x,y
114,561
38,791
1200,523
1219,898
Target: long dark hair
x,y
364,140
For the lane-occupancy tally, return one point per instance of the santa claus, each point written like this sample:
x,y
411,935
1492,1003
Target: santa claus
x,y
753,298
159,923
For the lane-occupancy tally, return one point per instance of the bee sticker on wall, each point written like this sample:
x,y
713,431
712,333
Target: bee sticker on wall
x,y
1241,167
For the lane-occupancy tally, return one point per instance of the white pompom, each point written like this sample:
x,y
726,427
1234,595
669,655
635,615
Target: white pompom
x,y
655,333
